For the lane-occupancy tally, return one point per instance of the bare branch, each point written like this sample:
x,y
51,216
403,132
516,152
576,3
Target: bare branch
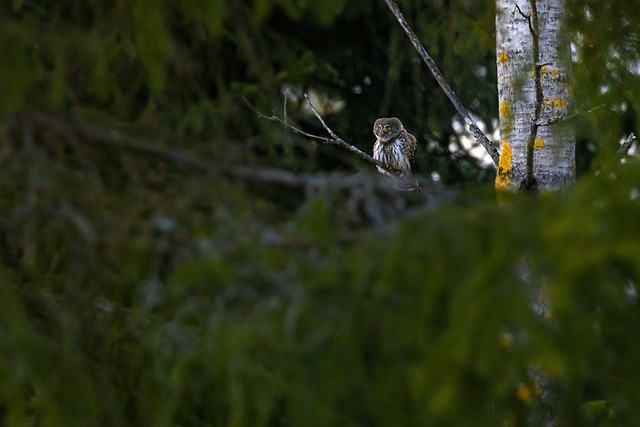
x,y
527,16
319,117
284,109
524,15
274,118
334,140
105,136
371,200
561,119
626,145
405,184
477,133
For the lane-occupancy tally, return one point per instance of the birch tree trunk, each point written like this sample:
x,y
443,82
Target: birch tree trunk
x,y
533,59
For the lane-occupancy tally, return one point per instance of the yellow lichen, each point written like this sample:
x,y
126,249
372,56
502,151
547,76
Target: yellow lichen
x,y
503,57
505,111
538,144
504,166
524,393
505,157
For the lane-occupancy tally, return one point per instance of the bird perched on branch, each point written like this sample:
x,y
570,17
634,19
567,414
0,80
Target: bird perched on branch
x,y
394,146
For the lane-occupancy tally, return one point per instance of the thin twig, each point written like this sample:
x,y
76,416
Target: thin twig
x,y
319,117
411,184
334,140
97,134
477,133
274,118
556,120
284,110
626,145
527,16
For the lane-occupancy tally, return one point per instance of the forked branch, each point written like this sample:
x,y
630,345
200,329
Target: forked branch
x,y
334,140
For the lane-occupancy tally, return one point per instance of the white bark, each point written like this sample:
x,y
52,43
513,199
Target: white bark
x,y
554,152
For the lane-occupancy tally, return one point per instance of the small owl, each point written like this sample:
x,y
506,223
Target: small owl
x,y
394,146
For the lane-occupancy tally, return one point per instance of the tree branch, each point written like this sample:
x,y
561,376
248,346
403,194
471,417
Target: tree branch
x,y
334,140
368,199
527,16
556,120
626,145
93,133
477,133
408,184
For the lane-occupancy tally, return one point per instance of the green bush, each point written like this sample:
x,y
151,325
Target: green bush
x,y
191,319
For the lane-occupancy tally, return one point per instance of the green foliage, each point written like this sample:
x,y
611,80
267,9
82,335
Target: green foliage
x,y
152,41
152,297
139,287
607,77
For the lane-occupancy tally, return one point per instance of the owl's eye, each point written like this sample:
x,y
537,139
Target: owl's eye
x,y
387,128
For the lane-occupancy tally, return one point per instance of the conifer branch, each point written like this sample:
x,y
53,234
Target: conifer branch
x,y
477,133
110,137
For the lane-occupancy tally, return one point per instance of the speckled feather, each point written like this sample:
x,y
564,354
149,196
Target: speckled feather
x,y
394,146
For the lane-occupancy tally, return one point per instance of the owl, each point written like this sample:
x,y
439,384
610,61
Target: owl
x,y
394,146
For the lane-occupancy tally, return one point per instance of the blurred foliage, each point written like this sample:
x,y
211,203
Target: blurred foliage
x,y
162,265
606,51
158,297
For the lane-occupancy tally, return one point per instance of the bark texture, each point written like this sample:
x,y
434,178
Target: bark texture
x,y
524,29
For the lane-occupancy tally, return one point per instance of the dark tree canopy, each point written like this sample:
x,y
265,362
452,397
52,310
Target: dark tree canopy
x,y
180,69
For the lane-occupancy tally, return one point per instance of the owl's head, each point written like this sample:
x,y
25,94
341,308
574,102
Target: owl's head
x,y
387,128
